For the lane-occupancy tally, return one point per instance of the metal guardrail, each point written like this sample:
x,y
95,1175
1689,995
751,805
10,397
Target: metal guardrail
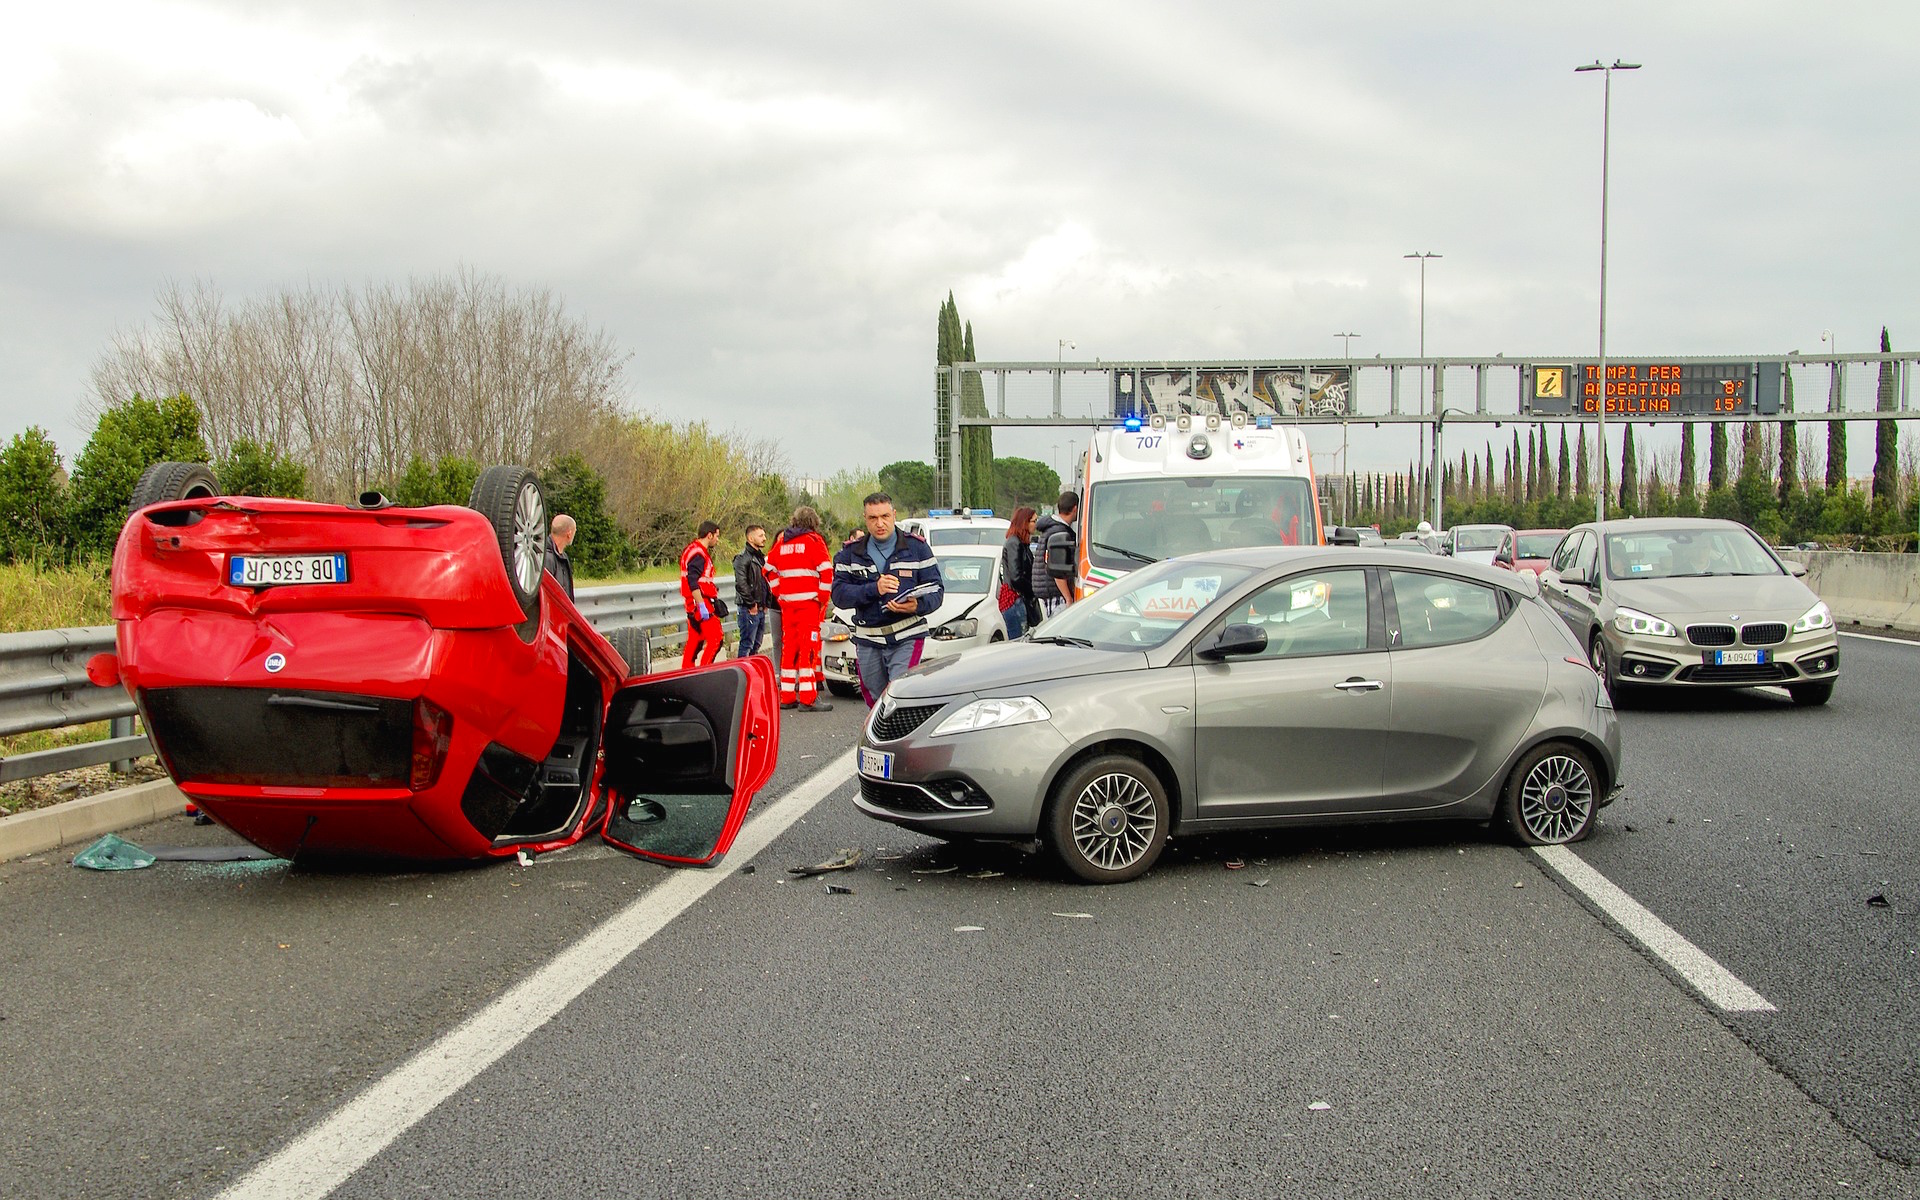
x,y
44,684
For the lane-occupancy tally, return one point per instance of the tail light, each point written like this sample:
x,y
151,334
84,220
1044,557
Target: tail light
x,y
432,733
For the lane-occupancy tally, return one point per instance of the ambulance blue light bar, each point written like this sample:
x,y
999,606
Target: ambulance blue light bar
x,y
1133,424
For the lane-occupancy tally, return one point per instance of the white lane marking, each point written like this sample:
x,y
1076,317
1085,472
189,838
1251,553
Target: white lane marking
x,y
1715,982
323,1158
1876,638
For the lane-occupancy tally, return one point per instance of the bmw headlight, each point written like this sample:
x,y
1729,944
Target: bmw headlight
x,y
1817,617
1633,621
964,628
992,714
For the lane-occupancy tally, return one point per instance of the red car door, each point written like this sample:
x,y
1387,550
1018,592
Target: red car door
x,y
685,754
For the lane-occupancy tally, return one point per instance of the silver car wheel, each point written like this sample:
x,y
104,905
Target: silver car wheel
x,y
1556,799
1114,821
529,537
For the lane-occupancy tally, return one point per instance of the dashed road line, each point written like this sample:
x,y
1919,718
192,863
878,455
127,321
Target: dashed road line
x,y
1722,988
324,1157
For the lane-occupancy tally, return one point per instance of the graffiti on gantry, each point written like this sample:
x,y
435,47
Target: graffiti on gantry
x,y
1261,391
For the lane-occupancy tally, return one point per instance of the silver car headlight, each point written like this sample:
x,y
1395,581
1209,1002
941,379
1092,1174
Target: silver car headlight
x,y
1633,621
992,714
964,628
1817,617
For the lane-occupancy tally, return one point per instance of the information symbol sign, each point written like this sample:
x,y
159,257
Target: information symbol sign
x,y
1549,383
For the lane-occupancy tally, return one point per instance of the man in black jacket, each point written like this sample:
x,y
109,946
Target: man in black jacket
x,y
750,589
559,537
1056,587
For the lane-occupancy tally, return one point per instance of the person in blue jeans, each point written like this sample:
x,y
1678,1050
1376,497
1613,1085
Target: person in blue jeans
x,y
750,591
1016,574
889,578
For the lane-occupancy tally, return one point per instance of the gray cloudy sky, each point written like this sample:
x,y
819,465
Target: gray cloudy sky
x,y
766,202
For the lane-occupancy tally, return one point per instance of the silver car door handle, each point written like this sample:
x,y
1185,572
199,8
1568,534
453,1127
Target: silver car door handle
x,y
1357,684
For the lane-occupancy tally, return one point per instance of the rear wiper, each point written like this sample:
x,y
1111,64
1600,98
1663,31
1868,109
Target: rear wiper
x,y
1135,555
1060,640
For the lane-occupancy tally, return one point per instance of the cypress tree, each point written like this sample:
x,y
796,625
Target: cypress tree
x,y
1886,449
1583,469
1629,474
1689,484
1533,470
1716,456
943,403
1478,481
976,442
1789,448
1564,482
1836,443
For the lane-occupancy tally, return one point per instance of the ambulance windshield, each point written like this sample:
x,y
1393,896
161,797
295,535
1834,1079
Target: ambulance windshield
x,y
1131,521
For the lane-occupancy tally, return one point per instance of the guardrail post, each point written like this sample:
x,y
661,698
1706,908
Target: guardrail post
x,y
121,727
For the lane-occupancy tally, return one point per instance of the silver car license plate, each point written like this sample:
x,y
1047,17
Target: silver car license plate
x,y
270,570
1736,658
876,763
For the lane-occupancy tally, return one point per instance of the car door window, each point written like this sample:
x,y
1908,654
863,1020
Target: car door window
x,y
1563,557
1586,557
1436,609
1322,613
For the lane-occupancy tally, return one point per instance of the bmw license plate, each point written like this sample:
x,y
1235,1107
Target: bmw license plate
x,y
877,763
270,570
1736,658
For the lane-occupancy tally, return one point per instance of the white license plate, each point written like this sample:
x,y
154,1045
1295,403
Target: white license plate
x,y
1737,658
270,570
877,763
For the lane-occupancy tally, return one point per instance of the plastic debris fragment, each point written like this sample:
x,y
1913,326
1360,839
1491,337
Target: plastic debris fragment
x,y
1234,864
839,889
1258,882
934,870
1081,916
969,928
112,853
526,860
986,875
1878,900
1319,1106
848,858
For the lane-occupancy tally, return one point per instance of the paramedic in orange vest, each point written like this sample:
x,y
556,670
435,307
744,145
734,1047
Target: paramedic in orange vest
x,y
705,609
800,570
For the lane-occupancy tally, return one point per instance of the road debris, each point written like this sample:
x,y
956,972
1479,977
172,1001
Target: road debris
x,y
969,928
526,859
839,889
749,869
986,875
935,870
1234,864
1319,1106
1878,900
112,853
848,858
1258,882
1080,916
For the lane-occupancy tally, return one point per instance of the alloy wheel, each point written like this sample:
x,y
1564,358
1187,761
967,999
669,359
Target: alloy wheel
x,y
529,537
1556,799
1114,821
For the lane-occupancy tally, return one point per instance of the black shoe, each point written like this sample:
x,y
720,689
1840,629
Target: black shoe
x,y
786,704
817,706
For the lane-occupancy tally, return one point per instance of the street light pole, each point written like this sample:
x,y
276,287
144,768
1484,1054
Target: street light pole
x,y
1065,346
1606,139
1423,256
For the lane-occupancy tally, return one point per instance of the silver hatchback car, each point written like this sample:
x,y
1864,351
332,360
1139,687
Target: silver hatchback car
x,y
1253,688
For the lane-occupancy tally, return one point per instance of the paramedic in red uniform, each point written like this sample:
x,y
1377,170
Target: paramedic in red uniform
x,y
705,609
800,568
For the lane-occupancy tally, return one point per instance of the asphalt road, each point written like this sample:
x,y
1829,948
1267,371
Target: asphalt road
x,y
1470,1026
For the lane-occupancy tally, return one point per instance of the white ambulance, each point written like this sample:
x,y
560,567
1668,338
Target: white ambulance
x,y
1157,487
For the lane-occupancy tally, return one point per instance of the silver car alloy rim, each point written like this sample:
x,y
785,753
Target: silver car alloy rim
x,y
1114,821
1556,799
1597,655
529,537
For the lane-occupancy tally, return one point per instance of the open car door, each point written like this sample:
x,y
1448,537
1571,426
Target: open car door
x,y
685,754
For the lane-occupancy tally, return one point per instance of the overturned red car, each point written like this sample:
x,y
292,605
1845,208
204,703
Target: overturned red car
x,y
330,679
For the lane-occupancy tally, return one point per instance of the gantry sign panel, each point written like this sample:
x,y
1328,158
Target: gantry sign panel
x,y
1654,389
1299,391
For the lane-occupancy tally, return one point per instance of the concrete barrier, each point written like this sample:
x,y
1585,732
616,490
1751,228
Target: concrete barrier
x,y
79,821
1880,591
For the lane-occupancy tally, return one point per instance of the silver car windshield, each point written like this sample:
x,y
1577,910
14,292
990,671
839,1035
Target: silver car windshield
x,y
1477,537
1687,554
1145,608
